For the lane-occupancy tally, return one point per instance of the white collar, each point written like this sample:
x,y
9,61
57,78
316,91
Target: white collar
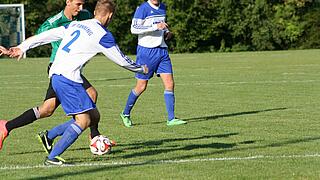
x,y
154,6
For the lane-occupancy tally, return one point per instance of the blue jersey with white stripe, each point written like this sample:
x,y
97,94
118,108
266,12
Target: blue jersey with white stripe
x,y
147,10
144,23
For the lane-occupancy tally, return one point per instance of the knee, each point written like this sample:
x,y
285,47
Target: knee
x,y
46,111
139,89
48,107
93,93
169,86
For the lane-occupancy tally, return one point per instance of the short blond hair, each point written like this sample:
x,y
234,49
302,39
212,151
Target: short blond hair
x,y
104,6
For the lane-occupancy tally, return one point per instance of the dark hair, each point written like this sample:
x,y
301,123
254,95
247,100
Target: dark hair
x,y
104,6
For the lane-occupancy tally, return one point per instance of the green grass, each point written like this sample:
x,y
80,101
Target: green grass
x,y
252,115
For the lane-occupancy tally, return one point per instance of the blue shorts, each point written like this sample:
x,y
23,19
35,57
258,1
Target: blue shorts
x,y
157,60
73,97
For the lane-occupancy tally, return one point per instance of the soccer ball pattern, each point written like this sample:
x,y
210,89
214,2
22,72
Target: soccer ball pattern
x,y
100,145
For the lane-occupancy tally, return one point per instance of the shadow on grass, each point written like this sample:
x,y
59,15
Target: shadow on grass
x,y
197,119
168,140
156,143
225,147
26,152
184,148
232,114
272,145
214,117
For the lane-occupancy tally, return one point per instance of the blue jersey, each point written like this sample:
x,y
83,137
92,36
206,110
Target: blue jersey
x,y
144,23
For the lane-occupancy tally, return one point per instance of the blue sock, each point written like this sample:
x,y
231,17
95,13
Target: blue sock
x,y
69,137
130,102
59,130
169,99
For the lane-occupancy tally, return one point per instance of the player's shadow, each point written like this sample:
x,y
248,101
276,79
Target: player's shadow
x,y
26,152
166,146
169,149
160,142
246,148
163,146
196,119
120,148
232,114
215,117
229,148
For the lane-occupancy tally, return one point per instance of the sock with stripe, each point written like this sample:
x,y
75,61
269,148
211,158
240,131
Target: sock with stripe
x,y
70,135
59,130
26,118
132,98
169,100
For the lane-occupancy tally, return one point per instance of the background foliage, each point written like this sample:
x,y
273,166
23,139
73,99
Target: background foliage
x,y
207,25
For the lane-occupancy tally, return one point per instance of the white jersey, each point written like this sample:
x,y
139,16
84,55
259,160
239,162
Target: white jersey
x,y
81,40
144,23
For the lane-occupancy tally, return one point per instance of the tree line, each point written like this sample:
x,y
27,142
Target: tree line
x,y
207,25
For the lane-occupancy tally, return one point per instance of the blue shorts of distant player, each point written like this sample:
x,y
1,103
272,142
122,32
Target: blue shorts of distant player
x,y
157,59
72,95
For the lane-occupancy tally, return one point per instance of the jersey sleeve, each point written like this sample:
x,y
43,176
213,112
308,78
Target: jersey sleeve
x,y
137,24
46,37
44,27
111,50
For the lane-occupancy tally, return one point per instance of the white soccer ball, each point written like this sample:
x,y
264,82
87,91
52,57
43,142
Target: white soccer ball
x,y
100,145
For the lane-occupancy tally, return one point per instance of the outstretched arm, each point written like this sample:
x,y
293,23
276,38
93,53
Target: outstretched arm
x,y
115,55
109,48
37,40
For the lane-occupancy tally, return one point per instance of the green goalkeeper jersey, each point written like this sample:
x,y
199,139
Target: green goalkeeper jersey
x,y
61,20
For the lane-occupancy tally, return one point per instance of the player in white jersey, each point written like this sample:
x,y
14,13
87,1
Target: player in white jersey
x,y
80,42
73,11
149,24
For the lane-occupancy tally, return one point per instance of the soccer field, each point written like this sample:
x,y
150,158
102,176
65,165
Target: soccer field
x,y
251,115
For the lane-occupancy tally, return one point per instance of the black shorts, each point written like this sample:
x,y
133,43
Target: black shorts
x,y
50,92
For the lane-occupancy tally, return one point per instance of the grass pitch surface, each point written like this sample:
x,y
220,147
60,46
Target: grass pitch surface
x,y
251,115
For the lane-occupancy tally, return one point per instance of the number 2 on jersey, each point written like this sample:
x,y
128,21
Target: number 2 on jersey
x,y
66,47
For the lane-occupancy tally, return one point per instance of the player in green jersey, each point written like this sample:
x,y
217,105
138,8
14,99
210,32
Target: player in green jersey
x,y
61,19
73,11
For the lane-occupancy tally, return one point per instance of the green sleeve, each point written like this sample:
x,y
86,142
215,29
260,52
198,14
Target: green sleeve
x,y
44,27
55,45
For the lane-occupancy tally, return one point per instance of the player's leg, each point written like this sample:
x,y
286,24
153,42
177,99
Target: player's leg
x,y
48,136
166,73
141,84
48,107
75,101
140,87
70,135
24,119
92,92
29,116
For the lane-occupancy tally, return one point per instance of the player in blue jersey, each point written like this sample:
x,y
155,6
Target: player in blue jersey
x,y
150,26
73,11
81,40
